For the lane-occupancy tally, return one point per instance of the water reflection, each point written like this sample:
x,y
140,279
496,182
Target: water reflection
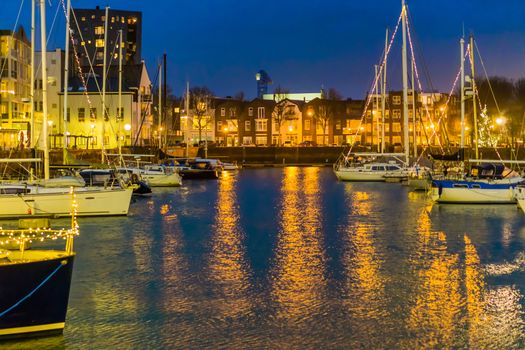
x,y
436,308
228,268
364,295
452,305
298,282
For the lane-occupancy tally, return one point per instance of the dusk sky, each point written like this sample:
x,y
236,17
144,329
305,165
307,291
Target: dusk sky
x,y
305,45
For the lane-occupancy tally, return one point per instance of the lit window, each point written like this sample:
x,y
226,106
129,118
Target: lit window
x,y
260,112
396,100
99,30
396,113
99,43
83,19
81,114
223,112
247,125
307,124
261,125
250,112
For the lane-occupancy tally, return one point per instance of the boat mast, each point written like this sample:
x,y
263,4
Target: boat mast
x,y
383,96
66,77
414,133
462,87
44,86
120,114
104,77
160,107
474,109
164,101
405,83
187,108
376,106
32,90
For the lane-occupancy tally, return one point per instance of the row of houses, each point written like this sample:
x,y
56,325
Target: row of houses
x,y
286,121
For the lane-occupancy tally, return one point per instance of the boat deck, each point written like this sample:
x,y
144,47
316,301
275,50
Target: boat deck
x,y
30,255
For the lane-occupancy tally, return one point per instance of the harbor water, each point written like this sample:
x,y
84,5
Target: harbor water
x,y
292,258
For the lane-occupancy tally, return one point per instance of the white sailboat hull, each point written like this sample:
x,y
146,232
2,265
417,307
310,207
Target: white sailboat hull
x,y
162,180
91,202
473,195
356,175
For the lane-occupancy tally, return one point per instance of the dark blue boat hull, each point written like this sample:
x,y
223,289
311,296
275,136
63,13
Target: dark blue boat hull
x,y
42,312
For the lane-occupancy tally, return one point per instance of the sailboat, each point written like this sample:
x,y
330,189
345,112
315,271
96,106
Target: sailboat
x,y
347,169
488,181
29,199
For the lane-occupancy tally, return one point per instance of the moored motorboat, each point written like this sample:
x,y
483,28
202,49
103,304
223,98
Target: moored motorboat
x,y
369,172
198,169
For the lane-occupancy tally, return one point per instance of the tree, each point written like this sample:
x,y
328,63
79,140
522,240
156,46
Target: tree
x,y
280,111
323,113
239,96
334,95
200,98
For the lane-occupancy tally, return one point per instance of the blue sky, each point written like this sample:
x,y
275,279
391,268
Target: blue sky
x,y
305,45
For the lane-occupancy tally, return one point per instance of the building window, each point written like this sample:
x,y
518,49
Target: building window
x,y
338,124
99,30
396,127
261,125
68,115
99,43
396,100
247,125
250,112
232,112
120,114
247,140
223,112
261,140
396,113
93,113
307,124
219,125
260,112
81,114
53,105
83,19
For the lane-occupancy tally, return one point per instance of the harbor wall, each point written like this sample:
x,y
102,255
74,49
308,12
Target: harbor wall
x,y
242,155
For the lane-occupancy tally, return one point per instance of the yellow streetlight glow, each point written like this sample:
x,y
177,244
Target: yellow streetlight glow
x,y
501,120
127,127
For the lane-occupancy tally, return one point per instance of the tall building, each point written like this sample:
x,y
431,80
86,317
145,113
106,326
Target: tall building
x,y
263,80
89,42
15,80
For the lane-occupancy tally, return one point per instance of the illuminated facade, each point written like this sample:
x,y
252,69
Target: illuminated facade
x,y
15,80
86,124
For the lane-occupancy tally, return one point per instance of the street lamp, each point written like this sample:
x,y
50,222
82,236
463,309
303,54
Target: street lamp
x,y
225,129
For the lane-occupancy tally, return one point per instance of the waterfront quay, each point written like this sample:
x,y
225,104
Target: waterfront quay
x,y
291,258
